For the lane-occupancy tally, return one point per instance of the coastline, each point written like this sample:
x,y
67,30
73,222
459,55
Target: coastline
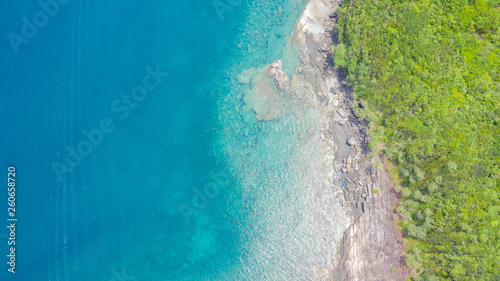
x,y
372,247
304,163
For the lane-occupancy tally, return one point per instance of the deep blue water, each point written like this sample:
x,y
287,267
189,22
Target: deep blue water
x,y
131,208
120,203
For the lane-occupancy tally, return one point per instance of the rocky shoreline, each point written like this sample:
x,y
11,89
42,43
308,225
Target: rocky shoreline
x,y
372,247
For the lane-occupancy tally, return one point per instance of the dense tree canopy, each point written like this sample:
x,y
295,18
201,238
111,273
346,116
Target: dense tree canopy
x,y
426,74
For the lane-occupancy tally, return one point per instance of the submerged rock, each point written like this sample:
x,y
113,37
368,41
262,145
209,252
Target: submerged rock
x,y
246,76
264,98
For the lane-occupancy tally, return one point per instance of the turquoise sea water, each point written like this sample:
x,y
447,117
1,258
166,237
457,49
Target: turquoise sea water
x,y
179,184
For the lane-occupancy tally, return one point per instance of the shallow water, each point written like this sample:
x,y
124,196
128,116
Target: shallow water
x,y
188,184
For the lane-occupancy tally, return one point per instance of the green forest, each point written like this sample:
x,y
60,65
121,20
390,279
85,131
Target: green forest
x,y
425,75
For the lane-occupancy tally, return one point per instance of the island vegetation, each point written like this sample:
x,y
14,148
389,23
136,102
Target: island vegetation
x,y
425,75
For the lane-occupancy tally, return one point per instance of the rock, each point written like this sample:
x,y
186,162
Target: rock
x,y
320,97
304,59
279,76
356,167
330,143
322,135
349,160
264,97
342,113
351,141
346,196
324,48
344,169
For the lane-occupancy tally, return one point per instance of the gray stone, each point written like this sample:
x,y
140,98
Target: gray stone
x,y
351,141
349,160
279,76
342,113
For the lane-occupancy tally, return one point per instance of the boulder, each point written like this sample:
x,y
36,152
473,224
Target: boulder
x,y
278,75
351,141
342,113
349,160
